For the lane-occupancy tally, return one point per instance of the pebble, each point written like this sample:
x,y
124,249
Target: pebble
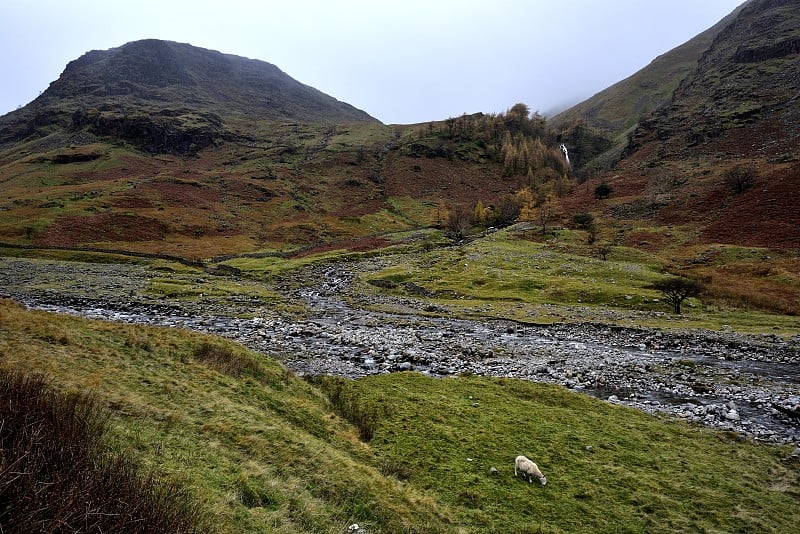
x,y
685,374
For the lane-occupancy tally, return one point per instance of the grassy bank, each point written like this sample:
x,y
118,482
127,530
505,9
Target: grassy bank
x,y
609,468
253,442
267,452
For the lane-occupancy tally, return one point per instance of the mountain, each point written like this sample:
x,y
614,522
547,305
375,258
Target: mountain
x,y
738,108
708,181
614,112
742,97
160,147
171,97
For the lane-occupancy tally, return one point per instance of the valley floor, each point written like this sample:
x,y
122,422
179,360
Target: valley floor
x,y
749,384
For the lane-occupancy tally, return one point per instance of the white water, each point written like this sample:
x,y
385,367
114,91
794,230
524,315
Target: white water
x,y
566,153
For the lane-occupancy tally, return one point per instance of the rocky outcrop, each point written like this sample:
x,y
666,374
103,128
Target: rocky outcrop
x,y
168,131
745,54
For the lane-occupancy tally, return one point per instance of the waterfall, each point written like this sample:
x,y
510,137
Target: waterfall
x,y
566,154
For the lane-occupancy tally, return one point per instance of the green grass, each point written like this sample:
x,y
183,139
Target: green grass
x,y
191,287
271,267
264,451
609,468
74,255
503,275
499,268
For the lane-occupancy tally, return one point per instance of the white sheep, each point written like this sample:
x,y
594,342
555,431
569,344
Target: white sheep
x,y
528,469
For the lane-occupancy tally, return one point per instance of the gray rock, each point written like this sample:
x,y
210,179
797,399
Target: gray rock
x,y
348,340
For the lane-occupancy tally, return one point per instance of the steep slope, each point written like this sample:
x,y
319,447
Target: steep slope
x,y
676,192
613,112
171,97
738,108
742,98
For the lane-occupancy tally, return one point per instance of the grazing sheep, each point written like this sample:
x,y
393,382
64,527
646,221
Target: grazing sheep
x,y
528,469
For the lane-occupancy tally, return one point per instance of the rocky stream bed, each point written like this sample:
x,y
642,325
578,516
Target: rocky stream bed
x,y
749,384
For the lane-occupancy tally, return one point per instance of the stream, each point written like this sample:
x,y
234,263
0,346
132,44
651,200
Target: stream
x,y
746,384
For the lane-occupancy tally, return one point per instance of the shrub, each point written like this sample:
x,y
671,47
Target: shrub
x,y
459,222
740,178
603,191
56,475
506,211
583,220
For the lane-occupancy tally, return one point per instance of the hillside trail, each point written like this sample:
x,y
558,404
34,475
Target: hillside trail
x,y
747,384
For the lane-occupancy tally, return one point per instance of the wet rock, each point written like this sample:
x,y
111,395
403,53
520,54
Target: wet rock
x,y
382,283
689,374
732,415
418,290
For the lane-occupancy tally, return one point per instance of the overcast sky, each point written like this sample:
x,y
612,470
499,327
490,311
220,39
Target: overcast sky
x,y
401,61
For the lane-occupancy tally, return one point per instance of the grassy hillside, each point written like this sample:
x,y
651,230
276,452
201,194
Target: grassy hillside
x,y
258,447
608,469
291,185
264,451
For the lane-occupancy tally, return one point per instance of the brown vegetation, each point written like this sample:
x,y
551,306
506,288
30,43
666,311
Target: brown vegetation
x,y
102,227
56,474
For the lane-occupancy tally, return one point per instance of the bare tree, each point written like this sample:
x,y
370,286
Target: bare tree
x,y
603,250
459,222
506,211
545,214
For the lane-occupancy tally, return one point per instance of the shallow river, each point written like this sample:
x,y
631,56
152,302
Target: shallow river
x,y
748,384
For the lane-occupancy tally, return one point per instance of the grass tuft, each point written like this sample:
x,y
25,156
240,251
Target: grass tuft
x,y
57,476
253,494
227,361
397,469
